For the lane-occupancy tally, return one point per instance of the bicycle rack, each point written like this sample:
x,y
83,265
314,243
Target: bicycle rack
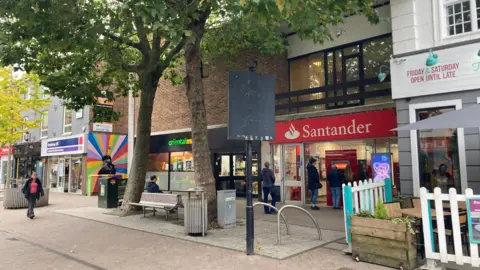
x,y
305,211
276,209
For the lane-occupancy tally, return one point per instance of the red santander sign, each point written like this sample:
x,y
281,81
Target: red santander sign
x,y
341,127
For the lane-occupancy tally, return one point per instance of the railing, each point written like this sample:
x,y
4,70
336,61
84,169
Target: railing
x,y
276,209
279,241
363,196
457,228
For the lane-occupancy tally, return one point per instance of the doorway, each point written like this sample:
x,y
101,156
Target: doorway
x,y
294,174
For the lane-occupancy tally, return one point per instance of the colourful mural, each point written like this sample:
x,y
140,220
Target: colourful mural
x,y
102,146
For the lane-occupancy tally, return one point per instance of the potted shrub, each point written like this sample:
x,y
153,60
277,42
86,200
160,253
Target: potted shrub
x,y
381,240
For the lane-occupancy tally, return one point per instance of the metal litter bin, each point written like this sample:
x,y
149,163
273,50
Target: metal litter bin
x,y
195,216
226,208
107,192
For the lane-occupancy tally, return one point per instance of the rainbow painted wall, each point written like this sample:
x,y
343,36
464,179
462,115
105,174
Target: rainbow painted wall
x,y
101,144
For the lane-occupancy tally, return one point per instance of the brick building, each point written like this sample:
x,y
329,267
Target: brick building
x,y
320,87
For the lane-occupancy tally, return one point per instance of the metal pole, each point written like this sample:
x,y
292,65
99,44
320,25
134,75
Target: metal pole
x,y
250,233
131,128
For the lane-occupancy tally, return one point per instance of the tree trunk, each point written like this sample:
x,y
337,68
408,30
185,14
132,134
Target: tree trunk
x,y
198,116
138,170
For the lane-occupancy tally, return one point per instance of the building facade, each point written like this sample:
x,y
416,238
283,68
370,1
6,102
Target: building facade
x,y
330,89
74,148
436,69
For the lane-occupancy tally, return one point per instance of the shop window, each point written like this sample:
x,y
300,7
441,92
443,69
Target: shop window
x,y
67,121
308,72
338,66
330,68
44,125
76,175
224,165
438,154
182,171
158,165
376,53
239,165
352,50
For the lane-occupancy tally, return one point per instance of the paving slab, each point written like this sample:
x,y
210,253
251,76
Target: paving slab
x,y
302,239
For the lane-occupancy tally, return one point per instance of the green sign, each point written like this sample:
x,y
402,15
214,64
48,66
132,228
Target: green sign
x,y
176,142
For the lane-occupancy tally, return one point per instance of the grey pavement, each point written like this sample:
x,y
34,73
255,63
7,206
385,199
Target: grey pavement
x,y
59,241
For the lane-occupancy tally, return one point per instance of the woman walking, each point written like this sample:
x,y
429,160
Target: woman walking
x,y
32,190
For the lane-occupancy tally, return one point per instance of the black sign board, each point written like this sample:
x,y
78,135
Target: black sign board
x,y
251,106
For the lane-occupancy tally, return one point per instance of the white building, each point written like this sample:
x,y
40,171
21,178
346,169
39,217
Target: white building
x,y
436,69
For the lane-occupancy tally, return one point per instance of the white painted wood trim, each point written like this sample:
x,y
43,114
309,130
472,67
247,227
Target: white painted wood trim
x,y
414,142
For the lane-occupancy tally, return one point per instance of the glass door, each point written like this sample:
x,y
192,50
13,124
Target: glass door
x,y
61,175
76,175
294,189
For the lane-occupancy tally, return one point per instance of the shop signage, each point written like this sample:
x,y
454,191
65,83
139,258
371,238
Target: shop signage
x,y
473,211
64,146
342,127
443,71
5,151
176,142
103,127
381,163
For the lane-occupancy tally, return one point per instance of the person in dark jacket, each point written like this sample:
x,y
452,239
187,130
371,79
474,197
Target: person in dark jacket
x,y
313,182
152,186
268,182
335,180
32,190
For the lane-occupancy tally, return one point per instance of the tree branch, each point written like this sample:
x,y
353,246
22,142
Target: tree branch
x,y
142,35
129,68
122,41
174,52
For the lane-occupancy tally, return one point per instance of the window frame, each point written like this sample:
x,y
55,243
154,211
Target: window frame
x,y
440,22
413,108
44,115
65,110
339,101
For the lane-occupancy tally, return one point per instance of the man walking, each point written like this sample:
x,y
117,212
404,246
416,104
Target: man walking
x,y
268,179
32,190
313,182
335,181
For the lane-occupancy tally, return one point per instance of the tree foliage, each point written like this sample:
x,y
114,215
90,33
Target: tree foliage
x,y
85,49
14,90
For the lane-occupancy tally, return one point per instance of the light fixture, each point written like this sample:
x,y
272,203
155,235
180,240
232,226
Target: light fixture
x,y
432,59
382,75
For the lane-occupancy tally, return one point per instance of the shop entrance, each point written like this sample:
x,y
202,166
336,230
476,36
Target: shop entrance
x,y
290,160
65,174
230,172
294,174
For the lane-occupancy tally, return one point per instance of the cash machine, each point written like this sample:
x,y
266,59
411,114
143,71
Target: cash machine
x,y
340,158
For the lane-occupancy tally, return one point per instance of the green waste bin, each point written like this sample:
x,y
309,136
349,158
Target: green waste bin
x,y
107,192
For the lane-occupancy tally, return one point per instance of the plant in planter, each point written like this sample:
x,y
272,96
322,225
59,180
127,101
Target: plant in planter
x,y
380,240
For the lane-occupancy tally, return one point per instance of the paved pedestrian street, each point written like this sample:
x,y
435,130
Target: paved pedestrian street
x,y
56,240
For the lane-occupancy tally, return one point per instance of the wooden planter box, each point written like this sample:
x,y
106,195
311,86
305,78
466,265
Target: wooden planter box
x,y
383,242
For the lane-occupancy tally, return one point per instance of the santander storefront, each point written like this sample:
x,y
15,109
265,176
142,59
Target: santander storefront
x,y
349,141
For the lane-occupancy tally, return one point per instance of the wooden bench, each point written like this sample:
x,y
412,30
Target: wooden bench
x,y
167,202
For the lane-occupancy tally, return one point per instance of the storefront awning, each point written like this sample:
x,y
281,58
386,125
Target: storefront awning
x,y
463,118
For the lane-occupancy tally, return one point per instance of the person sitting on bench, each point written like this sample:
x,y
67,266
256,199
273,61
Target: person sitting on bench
x,y
152,186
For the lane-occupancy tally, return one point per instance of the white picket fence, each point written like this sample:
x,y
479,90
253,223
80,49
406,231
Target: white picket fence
x,y
428,230
363,196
